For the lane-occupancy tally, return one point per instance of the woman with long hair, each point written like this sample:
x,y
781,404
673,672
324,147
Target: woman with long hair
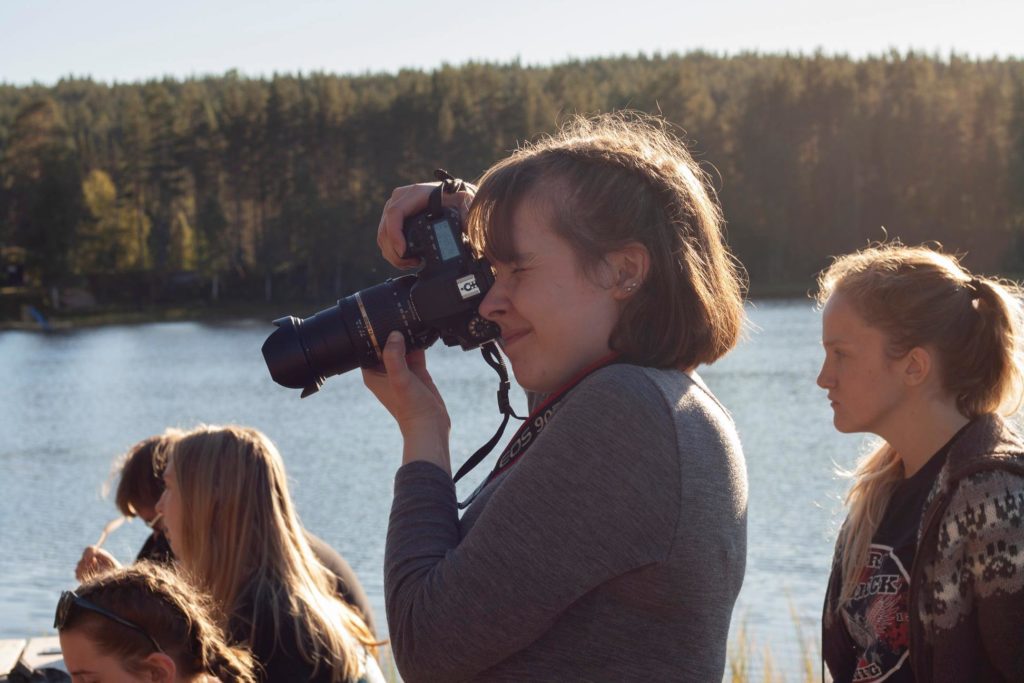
x,y
232,525
928,576
610,541
144,623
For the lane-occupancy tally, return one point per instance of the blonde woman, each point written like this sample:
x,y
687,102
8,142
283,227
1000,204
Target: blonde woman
x,y
143,623
928,577
232,525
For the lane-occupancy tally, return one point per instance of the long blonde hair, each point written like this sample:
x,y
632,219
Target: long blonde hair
x,y
242,540
919,296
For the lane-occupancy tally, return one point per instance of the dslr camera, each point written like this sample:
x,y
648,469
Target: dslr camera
x,y
440,300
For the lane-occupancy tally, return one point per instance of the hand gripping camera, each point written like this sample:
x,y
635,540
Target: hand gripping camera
x,y
441,300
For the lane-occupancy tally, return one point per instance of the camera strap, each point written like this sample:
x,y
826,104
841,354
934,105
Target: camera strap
x,y
493,357
528,432
449,185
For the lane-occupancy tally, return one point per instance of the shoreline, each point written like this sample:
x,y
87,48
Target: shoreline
x,y
109,316
249,310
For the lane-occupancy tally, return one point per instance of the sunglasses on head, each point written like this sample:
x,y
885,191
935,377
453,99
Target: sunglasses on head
x,y
70,599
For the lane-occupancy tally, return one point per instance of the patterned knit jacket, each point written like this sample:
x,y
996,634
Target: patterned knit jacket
x,y
967,580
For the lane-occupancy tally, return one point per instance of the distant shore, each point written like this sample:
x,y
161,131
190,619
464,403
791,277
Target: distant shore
x,y
248,310
197,312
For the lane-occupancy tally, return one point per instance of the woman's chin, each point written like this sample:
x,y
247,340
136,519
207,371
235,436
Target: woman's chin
x,y
846,427
527,381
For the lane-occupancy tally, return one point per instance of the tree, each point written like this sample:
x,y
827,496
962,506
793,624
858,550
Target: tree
x,y
105,242
44,187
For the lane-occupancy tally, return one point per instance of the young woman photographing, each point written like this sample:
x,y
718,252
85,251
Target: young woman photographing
x,y
928,577
613,546
233,527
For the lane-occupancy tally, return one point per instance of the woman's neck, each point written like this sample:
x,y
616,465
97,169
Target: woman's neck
x,y
922,430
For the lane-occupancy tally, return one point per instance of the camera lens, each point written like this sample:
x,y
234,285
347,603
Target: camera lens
x,y
300,354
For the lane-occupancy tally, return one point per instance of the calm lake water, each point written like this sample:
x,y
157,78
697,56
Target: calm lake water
x,y
69,403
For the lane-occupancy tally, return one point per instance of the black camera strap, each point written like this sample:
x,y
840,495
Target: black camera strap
x,y
493,357
528,432
449,185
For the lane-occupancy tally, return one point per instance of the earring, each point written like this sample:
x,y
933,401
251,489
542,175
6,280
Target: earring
x,y
630,287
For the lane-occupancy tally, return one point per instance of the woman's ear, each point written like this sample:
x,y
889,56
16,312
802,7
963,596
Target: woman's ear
x,y
918,366
159,668
629,266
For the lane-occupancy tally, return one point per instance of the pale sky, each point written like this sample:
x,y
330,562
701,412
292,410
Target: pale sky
x,y
43,40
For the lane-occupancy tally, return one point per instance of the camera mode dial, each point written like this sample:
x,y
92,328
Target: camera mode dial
x,y
481,328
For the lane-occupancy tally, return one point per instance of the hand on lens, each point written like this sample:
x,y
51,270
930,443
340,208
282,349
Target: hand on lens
x,y
94,561
407,201
405,388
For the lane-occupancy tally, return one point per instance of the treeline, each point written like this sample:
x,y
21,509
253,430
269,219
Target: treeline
x,y
273,187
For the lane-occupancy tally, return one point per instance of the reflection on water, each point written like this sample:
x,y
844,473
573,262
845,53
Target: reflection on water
x,y
71,402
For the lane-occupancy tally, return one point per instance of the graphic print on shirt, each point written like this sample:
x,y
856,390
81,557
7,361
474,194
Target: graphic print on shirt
x,y
877,617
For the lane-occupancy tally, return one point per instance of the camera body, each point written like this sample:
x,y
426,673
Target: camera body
x,y
439,301
449,311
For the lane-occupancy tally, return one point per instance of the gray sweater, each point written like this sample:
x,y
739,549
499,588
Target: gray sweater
x,y
612,551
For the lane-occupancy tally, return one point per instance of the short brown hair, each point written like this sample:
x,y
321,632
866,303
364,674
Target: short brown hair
x,y
616,179
140,485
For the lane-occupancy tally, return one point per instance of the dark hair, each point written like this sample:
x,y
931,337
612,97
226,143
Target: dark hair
x,y
617,179
140,485
172,611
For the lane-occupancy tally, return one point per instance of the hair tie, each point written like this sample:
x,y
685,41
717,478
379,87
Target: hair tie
x,y
974,287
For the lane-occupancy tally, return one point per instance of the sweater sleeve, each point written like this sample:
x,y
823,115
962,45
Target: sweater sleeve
x,y
595,497
989,513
